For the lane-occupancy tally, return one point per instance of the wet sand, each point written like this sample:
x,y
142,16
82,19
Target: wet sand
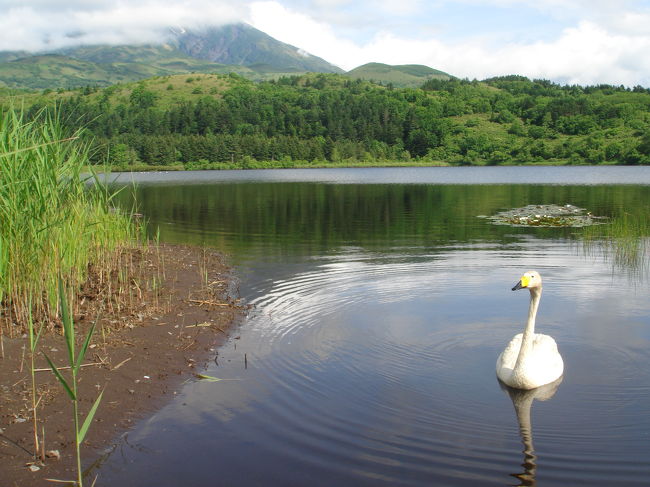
x,y
140,355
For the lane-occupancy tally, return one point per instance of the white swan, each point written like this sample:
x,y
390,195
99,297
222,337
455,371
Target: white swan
x,y
530,359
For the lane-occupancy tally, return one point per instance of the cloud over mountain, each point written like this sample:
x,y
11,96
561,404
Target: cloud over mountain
x,y
570,41
37,25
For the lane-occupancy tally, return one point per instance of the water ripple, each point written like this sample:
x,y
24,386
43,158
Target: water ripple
x,y
396,393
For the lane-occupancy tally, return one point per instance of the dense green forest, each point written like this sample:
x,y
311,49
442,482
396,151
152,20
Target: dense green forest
x,y
203,121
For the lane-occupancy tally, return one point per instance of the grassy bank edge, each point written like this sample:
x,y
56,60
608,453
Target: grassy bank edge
x,y
323,165
56,235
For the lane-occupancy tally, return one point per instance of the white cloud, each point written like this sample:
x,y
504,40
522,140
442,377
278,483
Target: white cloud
x,y
400,7
583,54
623,16
632,23
301,30
585,41
37,25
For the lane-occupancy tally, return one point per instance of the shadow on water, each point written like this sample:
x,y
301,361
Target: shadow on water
x,y
522,400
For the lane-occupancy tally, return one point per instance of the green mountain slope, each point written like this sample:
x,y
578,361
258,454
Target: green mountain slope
x,y
235,48
57,71
146,53
406,75
6,56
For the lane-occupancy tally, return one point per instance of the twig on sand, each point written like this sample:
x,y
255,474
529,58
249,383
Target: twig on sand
x,y
121,363
68,367
211,303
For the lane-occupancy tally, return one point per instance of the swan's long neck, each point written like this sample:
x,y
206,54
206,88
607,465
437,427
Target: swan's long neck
x,y
529,331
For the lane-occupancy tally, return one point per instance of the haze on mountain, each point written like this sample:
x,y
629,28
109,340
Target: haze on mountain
x,y
237,47
237,44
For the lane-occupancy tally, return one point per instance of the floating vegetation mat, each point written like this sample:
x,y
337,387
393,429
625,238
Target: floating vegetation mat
x,y
546,216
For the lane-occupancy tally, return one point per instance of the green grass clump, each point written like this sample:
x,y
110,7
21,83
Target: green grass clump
x,y
625,240
51,222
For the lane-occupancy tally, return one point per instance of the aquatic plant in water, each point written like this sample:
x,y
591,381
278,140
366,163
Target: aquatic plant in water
x,y
625,241
546,216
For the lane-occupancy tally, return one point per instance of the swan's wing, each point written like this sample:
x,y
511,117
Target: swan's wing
x,y
542,366
544,343
508,357
546,360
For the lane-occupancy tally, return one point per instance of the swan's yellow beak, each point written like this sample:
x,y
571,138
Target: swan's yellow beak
x,y
523,283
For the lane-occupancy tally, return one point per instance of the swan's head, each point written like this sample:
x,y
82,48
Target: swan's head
x,y
530,280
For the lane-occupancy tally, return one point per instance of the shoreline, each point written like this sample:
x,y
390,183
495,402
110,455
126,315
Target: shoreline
x,y
318,165
139,359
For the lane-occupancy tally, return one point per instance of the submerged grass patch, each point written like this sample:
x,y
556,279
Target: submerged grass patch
x,y
625,240
51,223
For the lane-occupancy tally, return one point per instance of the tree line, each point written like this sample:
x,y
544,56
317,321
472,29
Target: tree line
x,y
330,118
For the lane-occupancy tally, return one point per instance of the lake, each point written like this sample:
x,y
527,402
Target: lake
x,y
381,299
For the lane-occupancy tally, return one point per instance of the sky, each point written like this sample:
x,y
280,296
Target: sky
x,y
582,42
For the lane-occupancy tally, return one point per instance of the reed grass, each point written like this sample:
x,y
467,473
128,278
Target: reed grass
x,y
625,241
59,236
51,222
75,361
34,335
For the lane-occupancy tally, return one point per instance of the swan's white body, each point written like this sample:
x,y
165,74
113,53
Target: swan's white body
x,y
531,359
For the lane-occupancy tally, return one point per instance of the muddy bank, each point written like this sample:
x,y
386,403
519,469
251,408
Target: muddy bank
x,y
141,354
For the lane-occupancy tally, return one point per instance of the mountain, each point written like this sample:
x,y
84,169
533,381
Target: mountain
x,y
143,53
241,44
237,48
58,71
12,55
405,75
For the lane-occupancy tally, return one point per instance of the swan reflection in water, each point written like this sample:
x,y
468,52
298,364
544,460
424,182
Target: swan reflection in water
x,y
522,400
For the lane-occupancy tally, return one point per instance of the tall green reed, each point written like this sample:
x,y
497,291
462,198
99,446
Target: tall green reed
x,y
624,240
75,361
34,334
51,223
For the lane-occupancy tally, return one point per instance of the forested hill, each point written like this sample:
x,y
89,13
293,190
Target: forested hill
x,y
238,48
221,121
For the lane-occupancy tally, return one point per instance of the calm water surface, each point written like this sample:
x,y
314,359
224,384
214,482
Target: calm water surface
x,y
381,301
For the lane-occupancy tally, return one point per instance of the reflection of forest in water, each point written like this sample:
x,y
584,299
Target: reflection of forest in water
x,y
324,216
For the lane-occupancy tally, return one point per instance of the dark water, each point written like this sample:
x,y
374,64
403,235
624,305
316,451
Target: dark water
x,y
381,302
